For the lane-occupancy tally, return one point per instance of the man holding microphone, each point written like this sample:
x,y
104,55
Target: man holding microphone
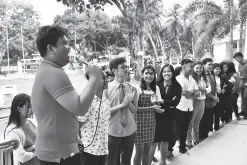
x,y
55,102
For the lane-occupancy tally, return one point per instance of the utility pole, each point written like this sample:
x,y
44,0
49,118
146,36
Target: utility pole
x,y
7,34
23,53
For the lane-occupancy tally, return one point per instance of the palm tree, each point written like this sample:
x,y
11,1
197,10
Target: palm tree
x,y
242,14
175,26
219,21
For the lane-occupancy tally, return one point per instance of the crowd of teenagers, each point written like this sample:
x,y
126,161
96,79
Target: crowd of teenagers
x,y
112,116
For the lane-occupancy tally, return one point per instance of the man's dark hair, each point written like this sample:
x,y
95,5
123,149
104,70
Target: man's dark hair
x,y
115,62
177,71
238,54
186,61
109,73
206,60
48,35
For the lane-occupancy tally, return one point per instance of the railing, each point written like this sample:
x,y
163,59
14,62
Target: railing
x,y
6,151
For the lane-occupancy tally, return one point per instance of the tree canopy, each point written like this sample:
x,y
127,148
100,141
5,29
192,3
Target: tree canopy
x,y
15,16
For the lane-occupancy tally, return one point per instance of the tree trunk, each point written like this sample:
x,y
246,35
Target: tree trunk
x,y
240,48
245,43
180,49
192,45
154,47
161,46
229,49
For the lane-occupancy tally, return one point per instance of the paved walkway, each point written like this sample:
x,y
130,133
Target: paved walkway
x,y
227,146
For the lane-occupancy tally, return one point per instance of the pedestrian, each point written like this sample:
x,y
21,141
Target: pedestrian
x,y
243,81
123,106
226,96
22,128
94,129
190,91
55,102
236,89
198,104
148,103
206,124
166,130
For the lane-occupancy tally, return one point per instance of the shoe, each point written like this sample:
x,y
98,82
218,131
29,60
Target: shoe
x,y
190,146
195,143
155,159
183,150
245,117
170,154
238,118
210,133
241,113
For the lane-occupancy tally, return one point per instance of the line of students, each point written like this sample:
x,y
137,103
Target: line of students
x,y
169,101
157,112
175,106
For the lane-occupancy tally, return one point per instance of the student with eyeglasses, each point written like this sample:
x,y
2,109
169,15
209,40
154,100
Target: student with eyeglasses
x,y
122,126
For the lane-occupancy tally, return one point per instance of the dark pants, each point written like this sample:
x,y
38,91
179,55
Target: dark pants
x,y
218,114
182,122
123,144
75,160
206,123
89,159
234,104
245,103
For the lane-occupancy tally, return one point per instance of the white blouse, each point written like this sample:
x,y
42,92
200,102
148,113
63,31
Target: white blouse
x,y
218,88
139,92
201,83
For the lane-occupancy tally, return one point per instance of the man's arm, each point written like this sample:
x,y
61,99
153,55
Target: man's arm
x,y
61,89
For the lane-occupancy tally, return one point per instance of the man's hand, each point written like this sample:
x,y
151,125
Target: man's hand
x,y
188,93
94,71
203,90
30,149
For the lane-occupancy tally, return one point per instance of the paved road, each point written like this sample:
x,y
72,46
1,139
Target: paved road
x,y
225,147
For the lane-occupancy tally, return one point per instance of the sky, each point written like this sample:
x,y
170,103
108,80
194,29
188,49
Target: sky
x,y
48,9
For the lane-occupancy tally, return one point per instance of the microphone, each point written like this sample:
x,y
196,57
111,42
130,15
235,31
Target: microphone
x,y
80,59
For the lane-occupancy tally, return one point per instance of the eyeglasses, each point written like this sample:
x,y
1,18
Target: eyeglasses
x,y
123,67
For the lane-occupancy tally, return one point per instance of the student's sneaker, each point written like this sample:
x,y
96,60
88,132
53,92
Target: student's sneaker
x,y
183,150
155,159
170,154
189,146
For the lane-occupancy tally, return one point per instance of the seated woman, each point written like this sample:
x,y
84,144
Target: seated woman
x,y
21,128
94,127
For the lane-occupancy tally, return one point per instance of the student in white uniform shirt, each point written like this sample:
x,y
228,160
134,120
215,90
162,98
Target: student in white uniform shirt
x,y
198,103
190,91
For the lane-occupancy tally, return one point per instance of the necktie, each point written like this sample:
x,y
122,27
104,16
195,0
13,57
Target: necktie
x,y
123,111
167,89
121,93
